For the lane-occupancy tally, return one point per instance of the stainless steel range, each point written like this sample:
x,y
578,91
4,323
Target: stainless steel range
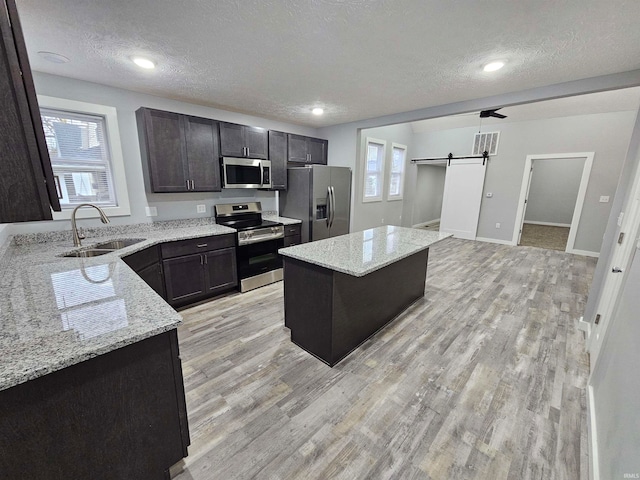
x,y
258,242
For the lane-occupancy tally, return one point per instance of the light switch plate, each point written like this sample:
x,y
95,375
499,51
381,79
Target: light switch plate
x,y
151,211
201,209
604,198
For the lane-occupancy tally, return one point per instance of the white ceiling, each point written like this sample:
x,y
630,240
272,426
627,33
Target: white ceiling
x,y
356,58
623,100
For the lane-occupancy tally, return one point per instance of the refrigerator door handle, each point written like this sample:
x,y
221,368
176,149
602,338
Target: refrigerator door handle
x,y
329,207
333,206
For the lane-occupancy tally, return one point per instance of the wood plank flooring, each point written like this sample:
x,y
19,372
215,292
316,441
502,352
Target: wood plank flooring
x,y
484,378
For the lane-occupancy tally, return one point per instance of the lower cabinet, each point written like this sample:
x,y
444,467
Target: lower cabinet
x,y
292,235
191,277
146,263
120,415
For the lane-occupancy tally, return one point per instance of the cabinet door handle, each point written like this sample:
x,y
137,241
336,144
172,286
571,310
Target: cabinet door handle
x,y
206,260
248,151
201,261
201,245
193,184
188,188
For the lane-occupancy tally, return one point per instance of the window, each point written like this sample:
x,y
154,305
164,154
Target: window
x,y
86,156
374,170
396,177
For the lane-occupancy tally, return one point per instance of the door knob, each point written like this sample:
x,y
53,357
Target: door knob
x,y
616,270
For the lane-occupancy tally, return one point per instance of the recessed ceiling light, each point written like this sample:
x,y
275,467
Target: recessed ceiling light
x,y
53,57
143,62
493,66
317,111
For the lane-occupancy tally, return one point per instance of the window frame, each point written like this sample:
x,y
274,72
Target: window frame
x,y
112,134
383,143
392,198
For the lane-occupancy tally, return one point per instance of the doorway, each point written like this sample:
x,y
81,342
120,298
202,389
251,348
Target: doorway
x,y
551,200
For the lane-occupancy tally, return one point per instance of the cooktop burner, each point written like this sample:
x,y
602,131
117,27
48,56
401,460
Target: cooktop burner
x,y
247,223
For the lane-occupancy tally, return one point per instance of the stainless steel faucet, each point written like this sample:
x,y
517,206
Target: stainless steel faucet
x,y
77,237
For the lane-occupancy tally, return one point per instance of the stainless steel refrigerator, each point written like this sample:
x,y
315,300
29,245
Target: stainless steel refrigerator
x,y
320,196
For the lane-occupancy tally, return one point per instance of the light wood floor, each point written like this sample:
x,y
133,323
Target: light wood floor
x,y
484,378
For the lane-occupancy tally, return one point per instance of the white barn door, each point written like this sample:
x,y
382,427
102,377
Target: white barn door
x,y
463,186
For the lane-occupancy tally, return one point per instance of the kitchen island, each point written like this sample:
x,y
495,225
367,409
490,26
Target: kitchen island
x,y
340,291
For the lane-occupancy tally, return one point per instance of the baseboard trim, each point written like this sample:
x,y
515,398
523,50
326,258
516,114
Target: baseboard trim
x,y
585,253
549,224
426,224
495,240
584,326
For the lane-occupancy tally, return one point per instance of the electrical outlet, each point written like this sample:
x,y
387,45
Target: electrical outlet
x,y
382,221
201,209
604,199
497,225
151,211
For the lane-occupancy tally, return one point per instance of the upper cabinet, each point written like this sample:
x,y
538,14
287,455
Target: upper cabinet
x,y
27,186
278,158
243,141
307,149
182,151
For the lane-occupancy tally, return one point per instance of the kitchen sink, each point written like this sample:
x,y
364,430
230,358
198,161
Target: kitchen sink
x,y
91,252
118,244
104,247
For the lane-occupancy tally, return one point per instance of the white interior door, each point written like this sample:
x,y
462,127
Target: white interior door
x,y
526,200
463,186
614,389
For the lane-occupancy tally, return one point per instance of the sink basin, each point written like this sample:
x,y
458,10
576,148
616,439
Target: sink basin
x,y
104,247
91,252
118,244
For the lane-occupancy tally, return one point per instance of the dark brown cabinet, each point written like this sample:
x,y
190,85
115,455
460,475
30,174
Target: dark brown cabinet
x,y
303,149
183,152
118,415
198,268
292,235
147,264
27,187
278,158
243,141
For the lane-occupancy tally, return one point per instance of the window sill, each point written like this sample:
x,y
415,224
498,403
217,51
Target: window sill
x,y
87,212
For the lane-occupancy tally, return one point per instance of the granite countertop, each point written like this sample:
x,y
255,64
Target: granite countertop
x,y
364,252
58,311
283,220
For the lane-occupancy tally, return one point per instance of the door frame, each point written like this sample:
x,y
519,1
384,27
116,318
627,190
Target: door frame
x,y
582,191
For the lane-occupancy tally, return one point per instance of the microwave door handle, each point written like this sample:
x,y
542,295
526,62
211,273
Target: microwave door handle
x,y
261,174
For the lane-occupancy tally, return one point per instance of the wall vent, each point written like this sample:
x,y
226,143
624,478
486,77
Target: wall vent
x,y
486,142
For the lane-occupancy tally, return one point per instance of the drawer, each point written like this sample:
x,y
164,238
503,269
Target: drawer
x,y
295,229
197,245
142,259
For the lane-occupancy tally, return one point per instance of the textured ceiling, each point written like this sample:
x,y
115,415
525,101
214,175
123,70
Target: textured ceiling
x,y
356,58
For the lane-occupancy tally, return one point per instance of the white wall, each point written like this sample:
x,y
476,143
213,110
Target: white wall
x,y
374,214
170,205
554,190
428,193
606,134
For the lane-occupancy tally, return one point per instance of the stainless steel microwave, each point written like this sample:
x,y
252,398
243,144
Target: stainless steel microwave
x,y
246,173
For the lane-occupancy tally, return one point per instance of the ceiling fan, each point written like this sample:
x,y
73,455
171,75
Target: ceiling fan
x,y
492,113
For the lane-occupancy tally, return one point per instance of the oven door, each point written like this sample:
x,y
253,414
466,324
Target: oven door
x,y
243,172
257,258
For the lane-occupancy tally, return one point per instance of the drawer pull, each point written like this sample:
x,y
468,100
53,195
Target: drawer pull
x,y
201,245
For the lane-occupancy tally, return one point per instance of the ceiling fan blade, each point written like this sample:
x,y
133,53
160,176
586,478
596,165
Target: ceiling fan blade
x,y
497,115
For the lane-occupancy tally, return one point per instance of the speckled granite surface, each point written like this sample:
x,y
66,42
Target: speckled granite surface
x,y
284,220
364,252
56,311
